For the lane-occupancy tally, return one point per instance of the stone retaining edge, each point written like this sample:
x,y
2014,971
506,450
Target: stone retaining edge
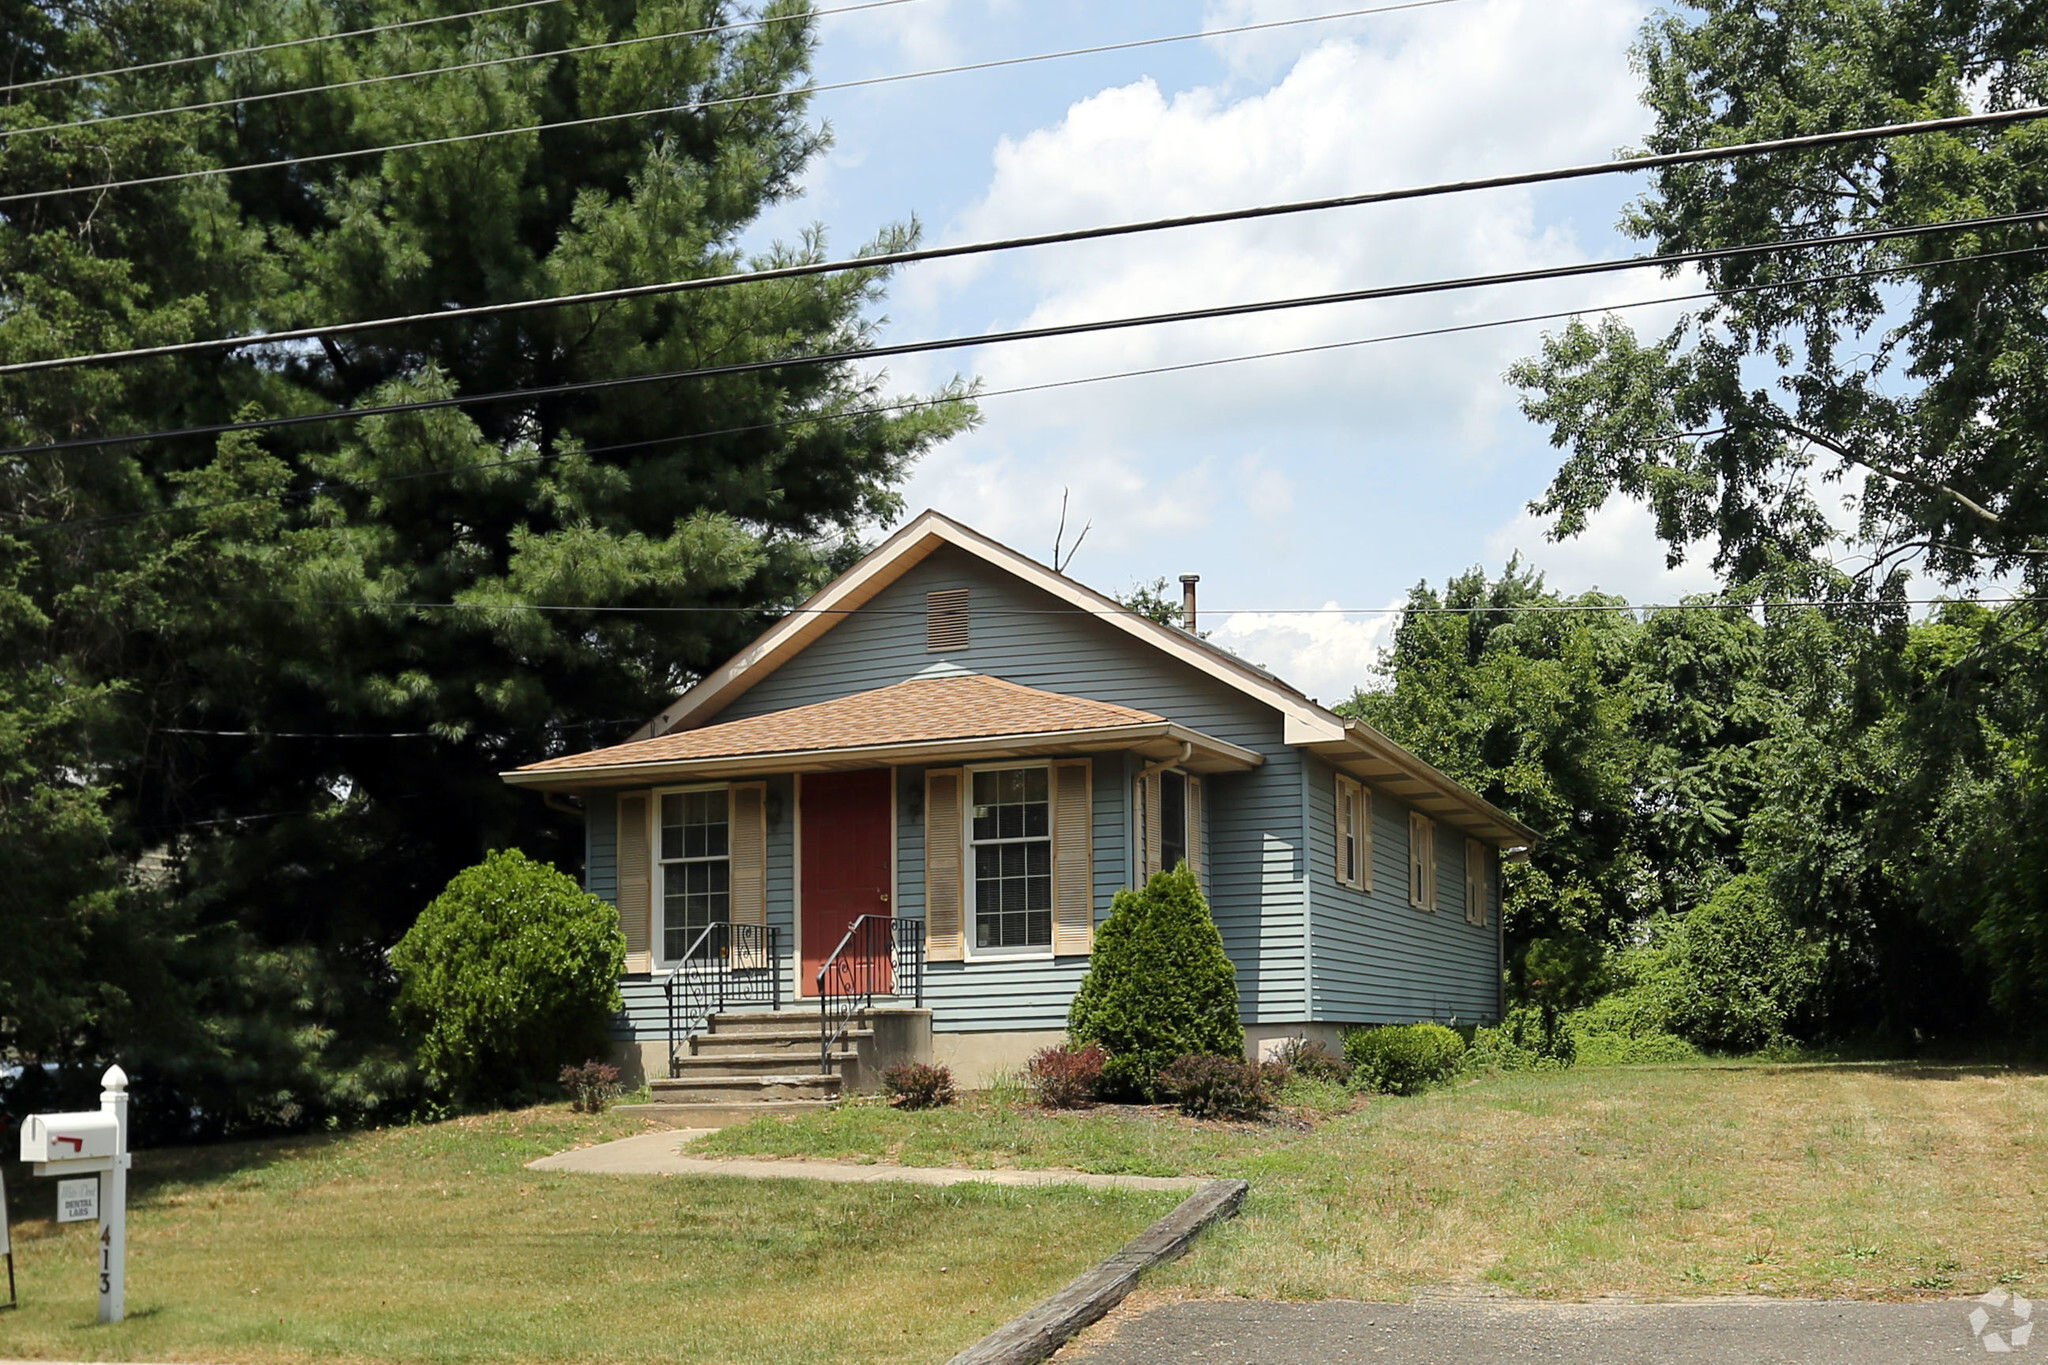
x,y
1044,1329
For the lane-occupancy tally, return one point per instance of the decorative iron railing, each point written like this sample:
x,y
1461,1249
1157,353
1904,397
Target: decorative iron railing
x,y
727,964
880,955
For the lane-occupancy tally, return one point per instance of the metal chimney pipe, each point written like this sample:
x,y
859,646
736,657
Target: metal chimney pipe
x,y
1187,600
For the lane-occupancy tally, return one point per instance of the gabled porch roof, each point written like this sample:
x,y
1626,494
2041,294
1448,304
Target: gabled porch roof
x,y
963,718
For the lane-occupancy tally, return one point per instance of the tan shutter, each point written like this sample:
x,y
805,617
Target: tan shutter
x,y
749,851
1194,813
1073,858
1148,825
945,939
1364,837
1475,882
636,871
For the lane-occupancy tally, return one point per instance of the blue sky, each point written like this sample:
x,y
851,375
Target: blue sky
x,y
1304,482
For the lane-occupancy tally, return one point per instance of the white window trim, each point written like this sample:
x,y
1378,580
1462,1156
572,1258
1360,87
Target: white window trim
x,y
1140,827
657,879
970,889
1422,832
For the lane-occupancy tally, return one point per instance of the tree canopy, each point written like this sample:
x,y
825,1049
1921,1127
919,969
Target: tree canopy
x,y
258,686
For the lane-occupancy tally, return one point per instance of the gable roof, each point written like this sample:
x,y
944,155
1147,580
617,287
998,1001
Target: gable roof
x,y
1351,745
923,719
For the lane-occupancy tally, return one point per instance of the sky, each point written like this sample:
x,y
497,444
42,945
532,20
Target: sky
x,y
1334,479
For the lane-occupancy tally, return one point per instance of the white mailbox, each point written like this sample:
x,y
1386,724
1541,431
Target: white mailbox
x,y
53,1139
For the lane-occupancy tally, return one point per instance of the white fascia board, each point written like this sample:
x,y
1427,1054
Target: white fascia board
x,y
1472,810
897,555
1212,755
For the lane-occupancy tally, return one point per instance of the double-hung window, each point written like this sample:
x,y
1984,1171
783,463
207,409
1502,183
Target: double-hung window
x,y
1010,847
1354,835
696,868
1421,861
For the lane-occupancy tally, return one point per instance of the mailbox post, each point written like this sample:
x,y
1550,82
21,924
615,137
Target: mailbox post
x,y
93,1143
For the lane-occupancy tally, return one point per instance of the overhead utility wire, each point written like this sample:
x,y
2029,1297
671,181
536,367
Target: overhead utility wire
x,y
910,404
698,105
268,47
1762,604
1235,310
891,259
478,65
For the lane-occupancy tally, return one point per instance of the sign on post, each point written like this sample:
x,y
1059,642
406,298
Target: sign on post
x,y
96,1143
78,1201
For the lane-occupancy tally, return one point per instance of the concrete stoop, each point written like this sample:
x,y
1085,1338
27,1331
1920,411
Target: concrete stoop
x,y
767,1062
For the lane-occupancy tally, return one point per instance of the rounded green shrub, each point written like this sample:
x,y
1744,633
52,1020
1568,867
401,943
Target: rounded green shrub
x,y
1159,986
1206,1086
510,974
1402,1059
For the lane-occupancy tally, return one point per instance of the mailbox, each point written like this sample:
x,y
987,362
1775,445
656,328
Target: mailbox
x,y
56,1138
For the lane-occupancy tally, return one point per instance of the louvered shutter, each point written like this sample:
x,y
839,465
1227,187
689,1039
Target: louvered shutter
x,y
636,871
1194,814
1073,858
1475,882
1148,825
749,881
944,881
1364,837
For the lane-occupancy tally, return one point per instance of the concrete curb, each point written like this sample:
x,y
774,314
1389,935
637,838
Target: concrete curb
x,y
1037,1334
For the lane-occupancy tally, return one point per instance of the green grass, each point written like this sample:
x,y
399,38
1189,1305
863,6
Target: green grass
x,y
435,1244
1873,1181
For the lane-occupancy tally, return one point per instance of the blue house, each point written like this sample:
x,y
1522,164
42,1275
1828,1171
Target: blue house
x,y
890,826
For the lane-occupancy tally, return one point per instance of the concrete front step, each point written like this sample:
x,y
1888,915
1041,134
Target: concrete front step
x,y
781,1021
717,1115
760,1063
747,1089
788,1040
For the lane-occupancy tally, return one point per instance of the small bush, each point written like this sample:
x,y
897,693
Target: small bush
x,y
1159,985
512,968
1402,1059
1621,1049
1066,1077
1311,1059
914,1085
592,1087
1206,1086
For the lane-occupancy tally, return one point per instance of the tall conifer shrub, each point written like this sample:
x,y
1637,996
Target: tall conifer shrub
x,y
1159,985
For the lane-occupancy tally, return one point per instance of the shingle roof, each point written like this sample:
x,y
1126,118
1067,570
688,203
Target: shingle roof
x,y
922,710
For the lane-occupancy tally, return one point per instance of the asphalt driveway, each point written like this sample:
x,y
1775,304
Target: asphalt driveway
x,y
1492,1332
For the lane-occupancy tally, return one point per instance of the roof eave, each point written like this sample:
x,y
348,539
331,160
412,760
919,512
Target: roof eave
x,y
1157,739
1367,752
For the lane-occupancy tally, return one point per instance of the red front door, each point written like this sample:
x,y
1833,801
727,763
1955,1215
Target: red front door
x,y
845,873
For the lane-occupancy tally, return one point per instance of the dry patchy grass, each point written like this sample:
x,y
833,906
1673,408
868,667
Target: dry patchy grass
x,y
435,1244
1871,1181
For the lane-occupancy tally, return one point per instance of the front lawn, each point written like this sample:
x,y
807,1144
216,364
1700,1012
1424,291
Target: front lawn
x,y
435,1244
1877,1181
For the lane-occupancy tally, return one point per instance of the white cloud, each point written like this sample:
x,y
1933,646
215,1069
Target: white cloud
x,y
1326,654
1617,553
1457,90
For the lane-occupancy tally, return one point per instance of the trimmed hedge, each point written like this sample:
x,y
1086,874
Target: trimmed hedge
x,y
1206,1086
1402,1059
1159,986
511,974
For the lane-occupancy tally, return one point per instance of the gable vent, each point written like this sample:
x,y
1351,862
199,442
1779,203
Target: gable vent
x,y
945,620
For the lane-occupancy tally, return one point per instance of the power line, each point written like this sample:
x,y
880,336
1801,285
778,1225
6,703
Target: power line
x,y
910,404
267,47
699,105
1667,261
266,95
890,260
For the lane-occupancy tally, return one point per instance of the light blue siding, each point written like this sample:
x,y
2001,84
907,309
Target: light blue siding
x,y
1378,959
1025,636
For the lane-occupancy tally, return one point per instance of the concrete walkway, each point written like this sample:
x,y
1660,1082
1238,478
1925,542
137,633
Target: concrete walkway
x,y
1494,1332
660,1154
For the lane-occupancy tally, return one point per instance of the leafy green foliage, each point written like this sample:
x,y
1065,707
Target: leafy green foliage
x,y
1205,1086
1402,1059
278,672
511,969
1159,985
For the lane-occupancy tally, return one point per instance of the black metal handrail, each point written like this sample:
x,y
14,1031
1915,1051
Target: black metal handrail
x,y
726,964
880,955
